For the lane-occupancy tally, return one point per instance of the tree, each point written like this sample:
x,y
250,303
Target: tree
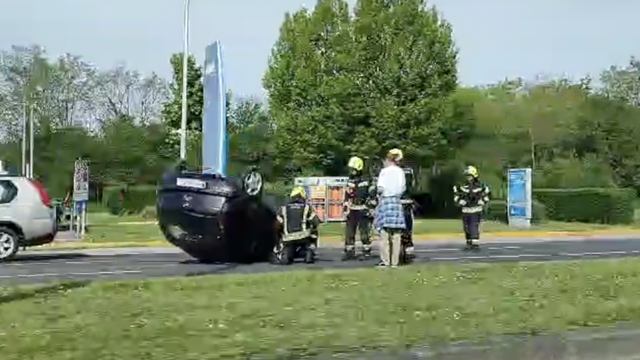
x,y
251,130
622,83
172,110
339,86
123,92
308,86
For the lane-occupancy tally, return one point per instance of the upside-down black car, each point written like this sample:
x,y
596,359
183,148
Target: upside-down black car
x,y
215,218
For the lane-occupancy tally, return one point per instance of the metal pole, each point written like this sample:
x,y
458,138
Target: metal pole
x,y
24,136
185,62
31,142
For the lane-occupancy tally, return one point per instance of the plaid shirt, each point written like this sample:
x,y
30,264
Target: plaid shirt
x,y
389,214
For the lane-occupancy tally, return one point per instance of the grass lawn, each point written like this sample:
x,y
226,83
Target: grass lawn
x,y
448,226
304,312
136,229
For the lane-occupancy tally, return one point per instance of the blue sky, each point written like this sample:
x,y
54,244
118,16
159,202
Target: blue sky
x,y
497,38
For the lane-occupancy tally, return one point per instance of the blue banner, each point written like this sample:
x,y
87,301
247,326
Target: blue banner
x,y
519,196
214,118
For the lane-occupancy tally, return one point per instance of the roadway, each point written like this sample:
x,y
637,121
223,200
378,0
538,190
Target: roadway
x,y
34,267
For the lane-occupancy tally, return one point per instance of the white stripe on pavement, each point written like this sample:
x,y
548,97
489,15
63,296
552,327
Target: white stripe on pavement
x,y
118,272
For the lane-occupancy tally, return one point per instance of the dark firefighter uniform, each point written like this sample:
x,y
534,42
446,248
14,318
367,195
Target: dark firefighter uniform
x,y
471,196
408,207
360,198
299,229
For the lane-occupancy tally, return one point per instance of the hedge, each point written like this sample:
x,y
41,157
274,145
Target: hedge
x,y
590,205
497,211
133,200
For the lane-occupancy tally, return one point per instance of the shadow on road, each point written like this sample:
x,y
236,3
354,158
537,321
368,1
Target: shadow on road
x,y
47,257
14,294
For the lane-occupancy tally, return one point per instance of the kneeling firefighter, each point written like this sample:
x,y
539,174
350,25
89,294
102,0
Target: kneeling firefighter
x,y
299,229
360,201
471,196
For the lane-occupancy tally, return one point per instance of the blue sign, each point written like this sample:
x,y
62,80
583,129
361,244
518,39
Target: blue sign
x,y
519,197
518,211
215,139
517,186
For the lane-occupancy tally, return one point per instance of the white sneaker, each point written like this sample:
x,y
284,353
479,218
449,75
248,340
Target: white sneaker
x,y
475,242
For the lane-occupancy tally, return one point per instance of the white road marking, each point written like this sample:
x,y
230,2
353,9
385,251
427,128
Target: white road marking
x,y
117,272
521,256
599,253
436,250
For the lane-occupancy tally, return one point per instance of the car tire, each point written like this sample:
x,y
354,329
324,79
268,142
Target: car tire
x,y
9,243
252,183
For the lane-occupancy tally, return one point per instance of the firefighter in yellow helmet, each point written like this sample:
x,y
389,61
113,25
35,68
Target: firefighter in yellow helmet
x,y
299,224
472,196
360,198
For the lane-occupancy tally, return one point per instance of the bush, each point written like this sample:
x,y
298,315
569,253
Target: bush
x,y
590,205
137,198
112,199
497,211
149,212
129,199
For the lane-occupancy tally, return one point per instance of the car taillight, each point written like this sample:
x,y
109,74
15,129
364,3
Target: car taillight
x,y
44,196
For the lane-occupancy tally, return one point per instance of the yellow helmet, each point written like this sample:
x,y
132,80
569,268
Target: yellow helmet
x,y
299,190
471,171
356,163
396,153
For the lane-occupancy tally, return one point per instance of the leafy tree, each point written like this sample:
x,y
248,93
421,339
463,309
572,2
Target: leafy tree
x,y
339,86
172,110
308,84
407,62
251,130
622,83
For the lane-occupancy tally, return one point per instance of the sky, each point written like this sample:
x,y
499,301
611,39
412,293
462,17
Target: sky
x,y
497,39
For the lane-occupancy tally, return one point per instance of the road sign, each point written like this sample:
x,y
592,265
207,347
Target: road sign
x,y
519,199
81,181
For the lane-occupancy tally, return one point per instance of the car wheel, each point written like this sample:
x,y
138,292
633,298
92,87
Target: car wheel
x,y
252,183
8,243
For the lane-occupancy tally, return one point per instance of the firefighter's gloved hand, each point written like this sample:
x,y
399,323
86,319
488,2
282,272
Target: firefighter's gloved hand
x,y
481,203
462,202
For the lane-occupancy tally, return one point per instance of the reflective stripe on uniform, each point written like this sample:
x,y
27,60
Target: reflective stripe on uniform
x,y
357,207
471,209
304,233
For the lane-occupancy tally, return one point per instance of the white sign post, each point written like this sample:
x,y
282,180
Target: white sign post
x,y
519,198
80,196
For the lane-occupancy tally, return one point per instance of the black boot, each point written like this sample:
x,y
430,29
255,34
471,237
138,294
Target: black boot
x,y
349,254
366,251
310,256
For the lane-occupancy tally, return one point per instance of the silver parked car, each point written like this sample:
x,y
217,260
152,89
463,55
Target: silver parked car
x,y
27,217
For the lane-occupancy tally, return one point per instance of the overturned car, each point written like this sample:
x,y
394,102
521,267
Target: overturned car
x,y
215,218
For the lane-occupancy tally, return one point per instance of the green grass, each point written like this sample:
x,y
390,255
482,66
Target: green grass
x,y
304,312
131,229
448,226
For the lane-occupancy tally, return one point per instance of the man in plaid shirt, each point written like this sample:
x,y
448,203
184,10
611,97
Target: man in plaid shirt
x,y
389,215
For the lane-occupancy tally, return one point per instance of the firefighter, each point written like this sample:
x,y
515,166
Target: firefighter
x,y
472,196
359,204
408,208
299,224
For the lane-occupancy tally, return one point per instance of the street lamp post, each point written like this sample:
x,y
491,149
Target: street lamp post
x,y
185,62
24,136
31,141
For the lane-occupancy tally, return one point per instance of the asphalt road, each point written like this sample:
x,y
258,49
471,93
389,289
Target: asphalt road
x,y
43,267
